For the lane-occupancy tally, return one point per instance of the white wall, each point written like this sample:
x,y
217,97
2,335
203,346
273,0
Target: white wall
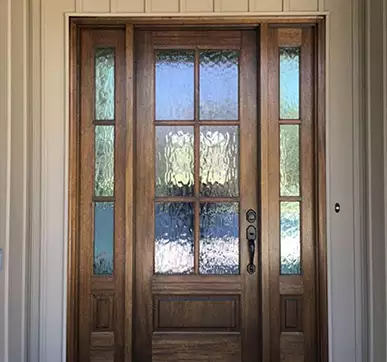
x,y
41,71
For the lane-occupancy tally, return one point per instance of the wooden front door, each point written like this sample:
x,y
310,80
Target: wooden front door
x,y
193,196
197,279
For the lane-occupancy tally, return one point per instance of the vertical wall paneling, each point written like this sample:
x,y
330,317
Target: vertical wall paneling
x,y
5,133
95,6
285,5
54,157
231,5
78,6
18,190
163,6
303,5
340,173
259,5
196,6
321,5
129,6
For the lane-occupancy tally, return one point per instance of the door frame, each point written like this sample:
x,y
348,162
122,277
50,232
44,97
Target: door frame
x,y
73,152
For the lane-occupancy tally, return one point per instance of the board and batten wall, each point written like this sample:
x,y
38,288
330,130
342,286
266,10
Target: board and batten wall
x,y
33,159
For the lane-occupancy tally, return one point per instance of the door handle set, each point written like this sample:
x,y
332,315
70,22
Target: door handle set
x,y
251,236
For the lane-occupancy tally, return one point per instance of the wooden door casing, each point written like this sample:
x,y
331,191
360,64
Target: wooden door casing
x,y
170,320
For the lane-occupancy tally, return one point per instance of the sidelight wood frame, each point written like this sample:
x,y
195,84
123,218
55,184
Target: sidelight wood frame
x,y
319,187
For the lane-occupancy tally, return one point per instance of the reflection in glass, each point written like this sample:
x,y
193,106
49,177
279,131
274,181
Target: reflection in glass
x,y
103,238
175,85
104,161
219,161
290,238
174,161
289,83
219,85
174,249
104,84
219,238
290,160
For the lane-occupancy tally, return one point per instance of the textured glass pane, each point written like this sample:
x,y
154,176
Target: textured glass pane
x,y
290,238
219,85
219,161
219,238
103,238
290,160
175,85
104,161
174,161
174,249
104,84
289,83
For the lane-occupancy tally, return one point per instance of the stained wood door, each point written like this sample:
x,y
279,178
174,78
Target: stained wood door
x,y
197,178
196,217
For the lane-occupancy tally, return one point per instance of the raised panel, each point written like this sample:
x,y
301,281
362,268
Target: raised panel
x,y
265,5
197,6
95,6
196,348
231,6
179,313
102,339
129,6
102,356
162,6
103,311
292,347
291,313
303,5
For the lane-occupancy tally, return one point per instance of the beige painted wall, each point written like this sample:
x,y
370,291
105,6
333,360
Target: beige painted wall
x,y
33,115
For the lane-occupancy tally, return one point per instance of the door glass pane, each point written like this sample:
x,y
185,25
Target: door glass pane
x,y
175,85
104,84
290,160
103,238
289,83
219,85
219,161
104,161
174,244
174,161
290,238
219,238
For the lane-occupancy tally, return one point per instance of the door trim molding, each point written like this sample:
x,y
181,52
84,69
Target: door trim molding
x,y
41,346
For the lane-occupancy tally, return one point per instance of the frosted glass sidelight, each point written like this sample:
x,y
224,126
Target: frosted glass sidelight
x,y
104,161
290,238
103,238
104,84
289,83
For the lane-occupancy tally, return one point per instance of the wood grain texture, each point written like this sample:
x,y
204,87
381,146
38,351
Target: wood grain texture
x,y
73,244
129,6
102,339
195,348
196,6
264,191
129,193
292,347
259,5
163,6
180,313
231,6
291,313
303,5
